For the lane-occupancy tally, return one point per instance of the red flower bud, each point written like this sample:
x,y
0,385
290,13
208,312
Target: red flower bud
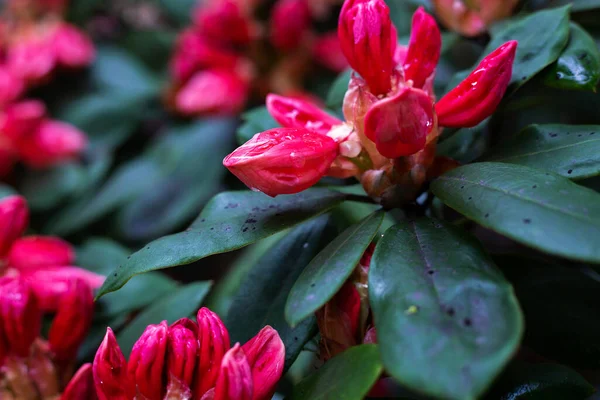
x,y
110,371
290,20
471,17
368,39
11,86
20,315
181,351
72,321
477,97
423,49
213,343
32,252
81,385
14,217
399,124
282,160
20,119
327,51
266,356
31,60
147,360
72,48
8,158
296,113
226,21
235,377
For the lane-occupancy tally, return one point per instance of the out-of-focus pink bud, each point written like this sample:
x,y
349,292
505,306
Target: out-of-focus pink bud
x,y
290,19
368,39
20,315
14,217
20,119
32,252
296,113
477,97
72,321
399,124
235,378
212,92
282,160
31,60
52,143
147,360
213,343
327,51
110,371
471,17
11,86
226,21
72,47
181,351
81,385
265,353
8,158
423,49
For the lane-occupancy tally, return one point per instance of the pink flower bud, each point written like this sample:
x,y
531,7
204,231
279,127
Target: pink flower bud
x,y
20,315
14,217
181,351
110,371
72,48
265,353
213,343
423,50
72,321
11,86
226,21
282,160
235,378
290,20
228,93
477,97
32,252
296,113
8,158
327,51
368,39
31,60
52,143
81,385
471,17
399,124
21,119
147,360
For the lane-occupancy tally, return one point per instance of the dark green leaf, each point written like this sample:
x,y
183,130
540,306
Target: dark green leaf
x,y
447,320
153,47
349,376
572,151
179,10
328,271
256,120
45,189
101,255
540,209
231,220
335,97
577,5
466,144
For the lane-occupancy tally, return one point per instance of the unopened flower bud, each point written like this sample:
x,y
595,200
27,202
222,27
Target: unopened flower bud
x,y
11,86
472,17
72,48
265,353
235,377
31,60
357,101
81,385
22,118
181,351
147,360
110,371
20,316
226,21
327,51
290,19
8,158
423,50
213,343
32,252
296,113
14,217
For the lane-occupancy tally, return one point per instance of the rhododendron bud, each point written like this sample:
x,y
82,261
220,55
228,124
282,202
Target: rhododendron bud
x,y
471,17
327,51
72,321
226,21
290,19
399,124
235,377
22,118
8,158
213,343
181,351
31,60
110,371
14,217
147,360
423,49
11,86
282,160
31,252
81,385
477,97
72,47
20,315
296,113
368,40
265,353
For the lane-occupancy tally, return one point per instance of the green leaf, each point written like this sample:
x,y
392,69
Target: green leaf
x,y
231,220
256,120
578,67
261,297
466,144
335,97
539,209
46,188
101,255
328,271
447,320
178,10
572,151
349,376
181,303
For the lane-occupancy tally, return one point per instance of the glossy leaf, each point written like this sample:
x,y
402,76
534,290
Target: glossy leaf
x,y
337,91
328,271
447,320
539,209
349,376
256,120
231,220
572,151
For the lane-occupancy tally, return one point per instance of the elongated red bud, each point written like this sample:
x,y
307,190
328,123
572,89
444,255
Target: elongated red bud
x,y
72,321
235,378
81,385
213,343
297,113
282,160
147,360
477,97
327,51
181,351
20,119
399,124
226,21
32,252
14,217
368,39
290,20
20,316
423,49
110,371
266,356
